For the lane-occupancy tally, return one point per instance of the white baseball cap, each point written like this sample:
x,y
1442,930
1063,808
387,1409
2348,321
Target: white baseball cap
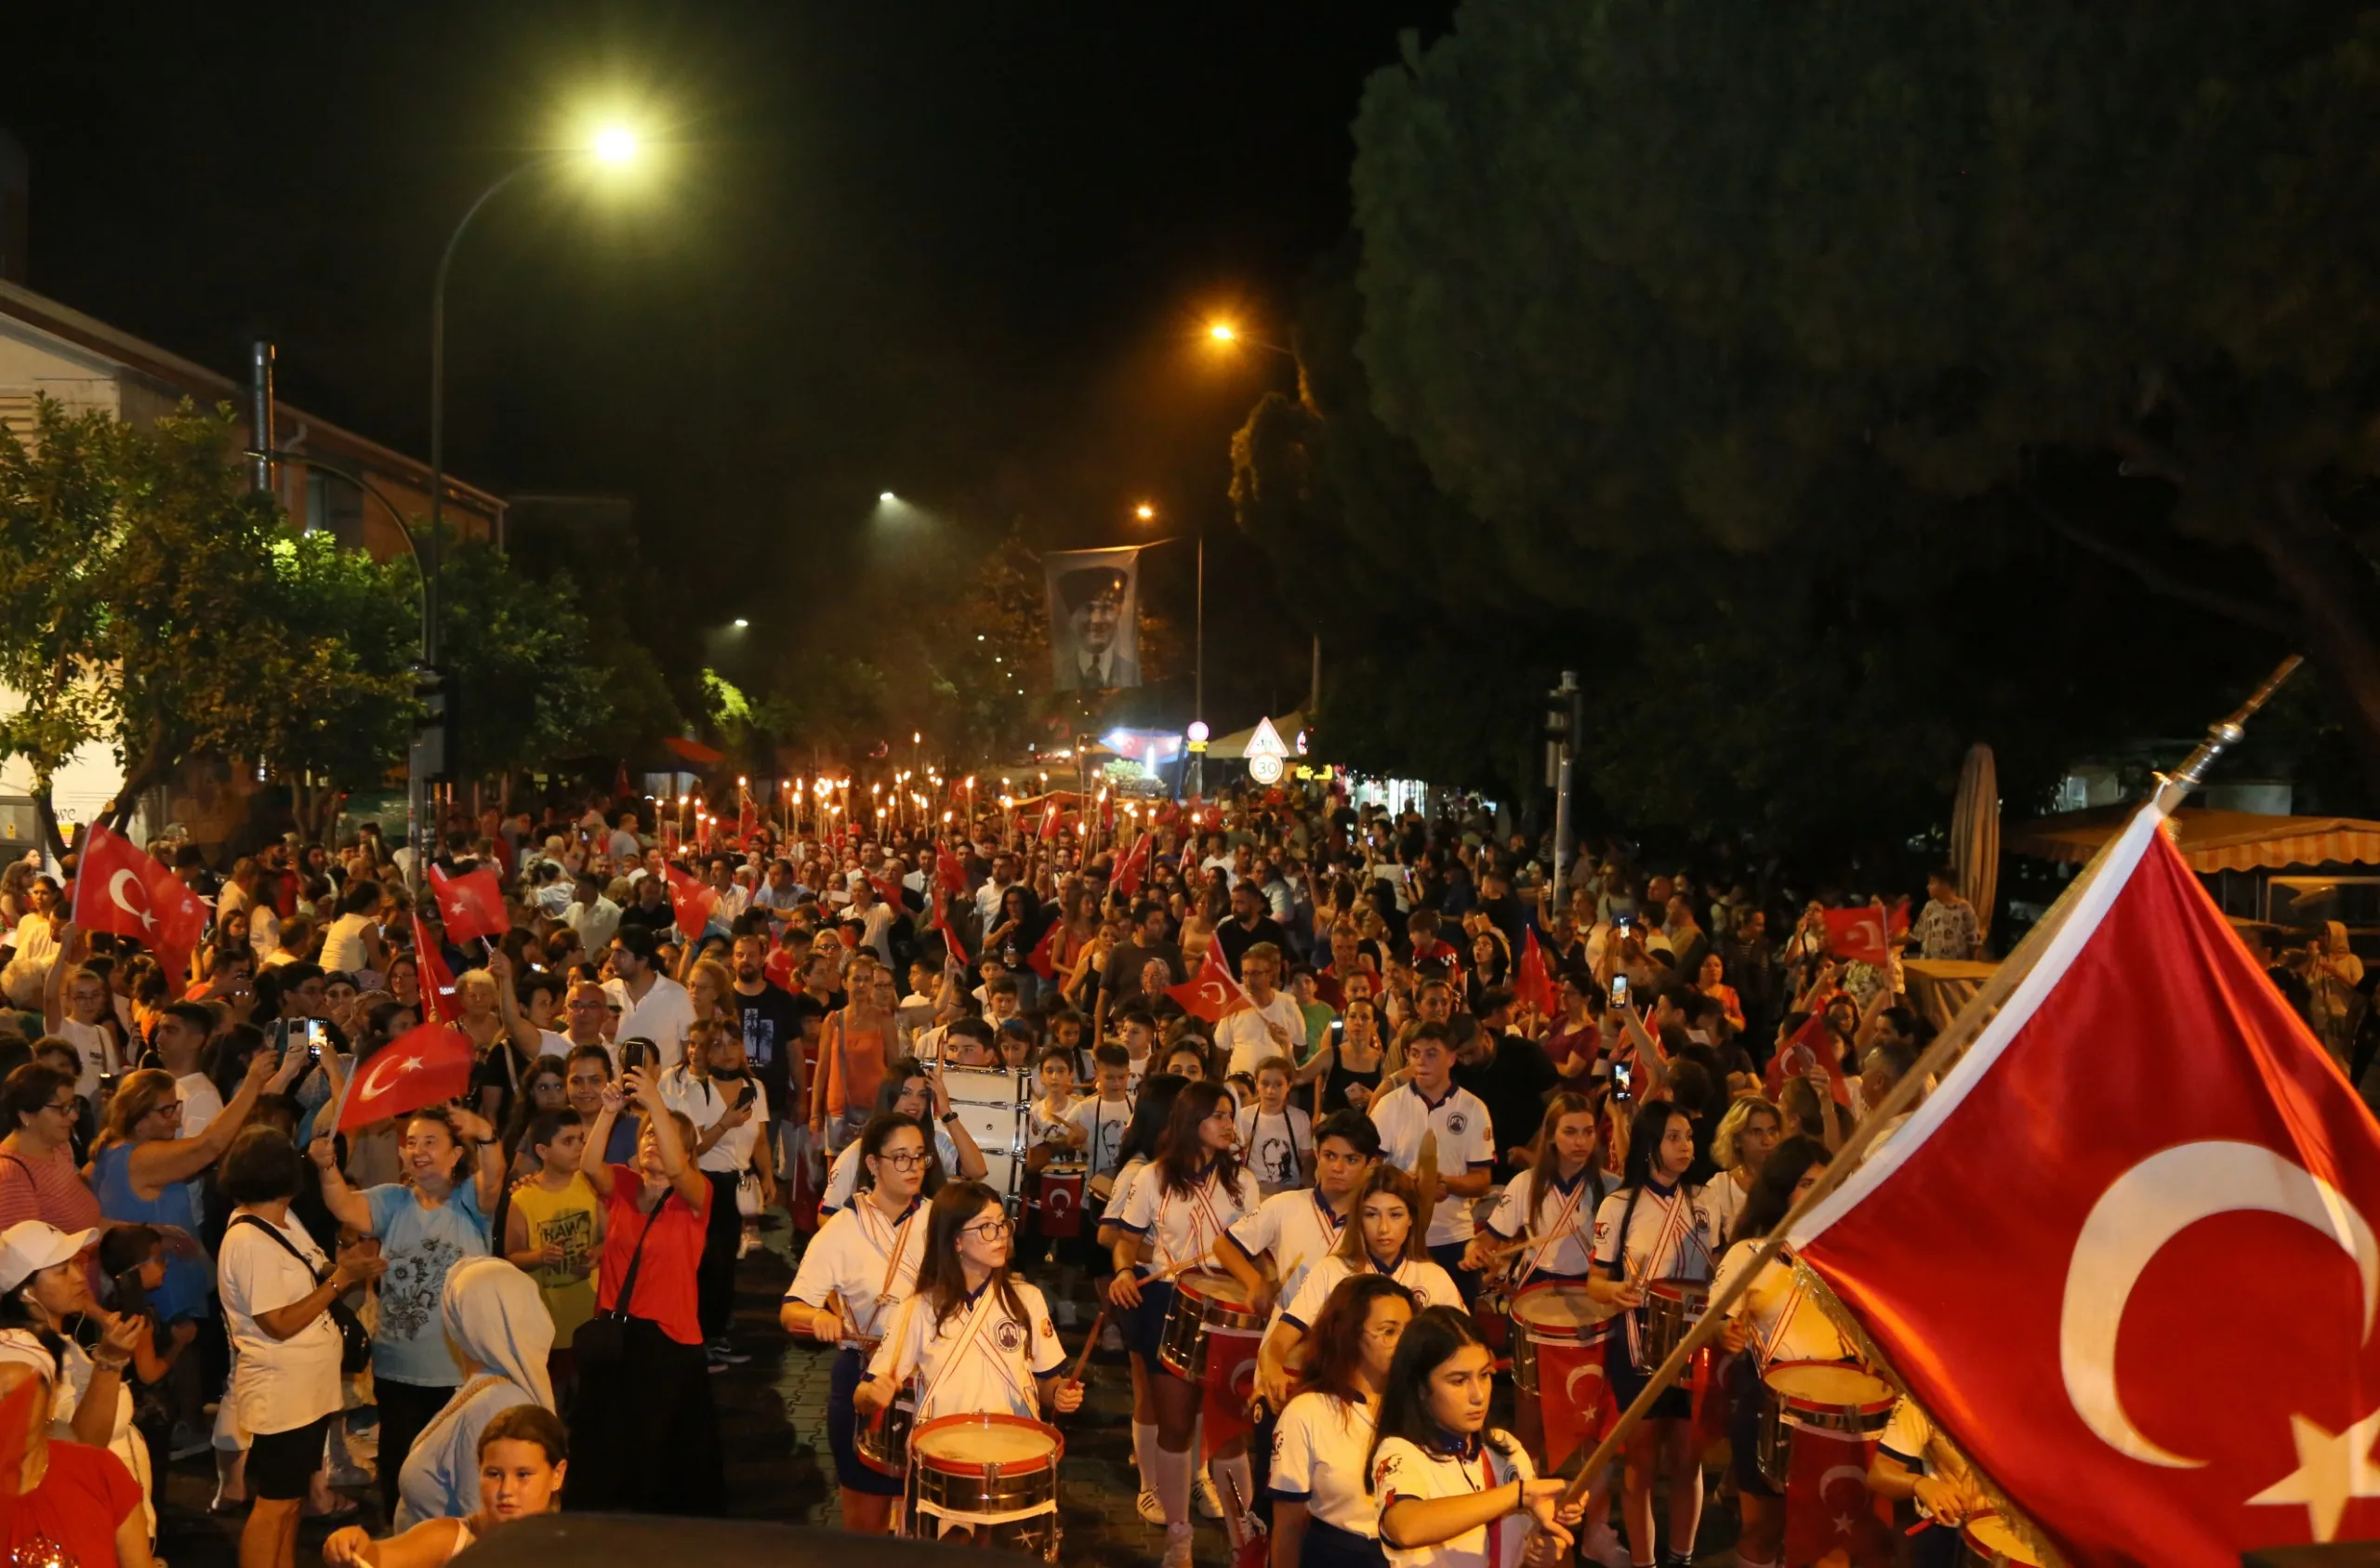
x,y
31,1246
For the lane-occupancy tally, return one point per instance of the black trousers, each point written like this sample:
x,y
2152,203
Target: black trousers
x,y
644,1437
405,1408
715,1275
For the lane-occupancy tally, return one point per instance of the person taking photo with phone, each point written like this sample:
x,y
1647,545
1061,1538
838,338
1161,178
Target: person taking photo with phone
x,y
715,1090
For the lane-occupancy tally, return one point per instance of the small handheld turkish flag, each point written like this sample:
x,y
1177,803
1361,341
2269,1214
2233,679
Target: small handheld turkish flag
x,y
949,872
119,889
1533,987
1811,1046
436,980
1211,994
1049,814
427,1065
1135,869
950,936
1043,959
2034,1260
693,901
470,905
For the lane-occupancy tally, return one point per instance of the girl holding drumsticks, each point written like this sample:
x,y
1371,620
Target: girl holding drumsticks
x,y
864,1262
1384,1240
979,1339
1450,1492
1656,1228
1185,1199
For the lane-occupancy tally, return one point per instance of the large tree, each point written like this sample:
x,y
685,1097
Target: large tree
x,y
1638,273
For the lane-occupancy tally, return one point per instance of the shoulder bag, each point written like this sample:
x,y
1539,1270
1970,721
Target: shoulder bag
x,y
602,1339
355,1344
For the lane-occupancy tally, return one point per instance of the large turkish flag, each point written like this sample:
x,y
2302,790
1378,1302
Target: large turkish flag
x,y
2124,1253
118,888
425,1065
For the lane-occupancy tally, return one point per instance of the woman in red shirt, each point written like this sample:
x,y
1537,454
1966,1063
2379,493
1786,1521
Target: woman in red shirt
x,y
644,1438
69,1495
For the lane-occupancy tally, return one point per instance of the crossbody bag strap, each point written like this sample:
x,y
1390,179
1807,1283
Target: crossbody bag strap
x,y
622,1306
283,1242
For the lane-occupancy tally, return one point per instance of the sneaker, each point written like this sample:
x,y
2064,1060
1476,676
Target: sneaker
x,y
746,1243
722,1351
1152,1511
1209,1501
1177,1546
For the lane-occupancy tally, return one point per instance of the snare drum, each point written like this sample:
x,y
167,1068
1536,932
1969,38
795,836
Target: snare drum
x,y
994,1474
1553,1313
1058,1198
1990,1538
1832,1396
1204,1301
1672,1308
883,1443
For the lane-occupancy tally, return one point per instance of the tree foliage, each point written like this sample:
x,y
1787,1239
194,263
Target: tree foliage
x,y
1638,276
532,687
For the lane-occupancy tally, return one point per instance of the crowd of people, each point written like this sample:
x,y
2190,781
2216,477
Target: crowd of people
x,y
1436,1088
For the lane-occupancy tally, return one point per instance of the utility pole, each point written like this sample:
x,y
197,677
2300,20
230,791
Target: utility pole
x,y
260,413
1565,717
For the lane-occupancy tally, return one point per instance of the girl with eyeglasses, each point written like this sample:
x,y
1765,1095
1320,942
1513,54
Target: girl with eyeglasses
x,y
854,1275
978,1339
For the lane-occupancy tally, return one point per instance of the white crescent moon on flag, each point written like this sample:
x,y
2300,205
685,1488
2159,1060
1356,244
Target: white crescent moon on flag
x,y
1570,1384
2148,1206
1854,1471
372,1084
139,912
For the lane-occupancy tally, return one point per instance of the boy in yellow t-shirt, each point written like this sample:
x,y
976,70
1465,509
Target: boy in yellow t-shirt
x,y
555,1231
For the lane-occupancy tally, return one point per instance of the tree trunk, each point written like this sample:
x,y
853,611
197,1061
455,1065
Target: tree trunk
x,y
2331,586
46,813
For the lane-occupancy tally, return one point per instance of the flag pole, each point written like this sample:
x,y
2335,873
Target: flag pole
x,y
1939,1057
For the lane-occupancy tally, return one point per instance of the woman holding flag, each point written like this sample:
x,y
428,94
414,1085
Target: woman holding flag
x,y
1180,1207
1657,1229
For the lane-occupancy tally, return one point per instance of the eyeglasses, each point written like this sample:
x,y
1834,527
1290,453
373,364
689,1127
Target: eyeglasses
x,y
907,1159
63,1107
989,1229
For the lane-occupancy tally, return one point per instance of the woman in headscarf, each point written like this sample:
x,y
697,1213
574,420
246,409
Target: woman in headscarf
x,y
497,1320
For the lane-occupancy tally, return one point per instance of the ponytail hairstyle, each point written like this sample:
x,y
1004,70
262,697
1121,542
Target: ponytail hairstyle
x,y
1542,1160
942,1279
1183,1154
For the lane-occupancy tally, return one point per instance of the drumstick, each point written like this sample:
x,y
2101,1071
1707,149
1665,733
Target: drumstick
x,y
1090,1343
1523,1245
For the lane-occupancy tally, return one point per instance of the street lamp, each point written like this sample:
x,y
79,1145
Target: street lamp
x,y
1228,335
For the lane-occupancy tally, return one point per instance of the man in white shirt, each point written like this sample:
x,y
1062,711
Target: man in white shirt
x,y
592,916
876,915
994,888
1273,1025
654,1007
180,1038
1430,1105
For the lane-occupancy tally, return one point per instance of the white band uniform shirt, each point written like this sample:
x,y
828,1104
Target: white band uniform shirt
x,y
1126,1180
1466,1142
1298,1228
1321,1458
1786,1324
1244,1034
979,1360
1673,1235
1568,1214
1182,1227
1276,1142
842,1177
1406,1470
1429,1284
1102,1127
867,1262
704,1101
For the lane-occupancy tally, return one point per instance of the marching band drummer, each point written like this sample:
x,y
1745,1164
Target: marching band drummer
x,y
1447,1489
1385,1239
1910,1462
1152,1112
1299,1228
859,1266
1323,1515
1180,1204
910,1089
978,1339
1655,1227
1553,1201
1773,1318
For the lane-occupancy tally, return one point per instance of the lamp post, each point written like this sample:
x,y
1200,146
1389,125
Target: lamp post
x,y
1145,512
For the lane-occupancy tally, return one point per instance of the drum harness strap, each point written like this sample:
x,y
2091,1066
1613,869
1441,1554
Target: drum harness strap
x,y
976,1316
1675,1221
1562,1222
892,1256
1202,1217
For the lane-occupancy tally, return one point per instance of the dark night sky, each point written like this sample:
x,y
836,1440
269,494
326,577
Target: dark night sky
x,y
955,250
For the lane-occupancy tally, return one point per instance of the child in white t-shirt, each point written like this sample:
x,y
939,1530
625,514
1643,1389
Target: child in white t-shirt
x,y
1276,1136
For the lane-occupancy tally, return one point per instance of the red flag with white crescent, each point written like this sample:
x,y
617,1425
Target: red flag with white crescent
x,y
425,1065
433,979
1229,1384
1050,820
1135,868
1043,959
2144,1145
949,870
692,900
1811,1046
1828,1507
1575,1397
120,889
470,905
1211,994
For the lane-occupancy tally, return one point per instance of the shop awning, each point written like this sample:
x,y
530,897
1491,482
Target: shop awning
x,y
2209,840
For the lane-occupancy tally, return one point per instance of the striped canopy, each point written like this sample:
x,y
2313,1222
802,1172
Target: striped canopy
x,y
2209,840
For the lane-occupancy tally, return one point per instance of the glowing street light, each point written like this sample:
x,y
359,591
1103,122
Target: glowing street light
x,y
741,623
615,144
886,496
1222,332
1145,512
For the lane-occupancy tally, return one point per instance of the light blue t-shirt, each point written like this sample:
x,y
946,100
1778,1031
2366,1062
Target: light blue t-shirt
x,y
421,1243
